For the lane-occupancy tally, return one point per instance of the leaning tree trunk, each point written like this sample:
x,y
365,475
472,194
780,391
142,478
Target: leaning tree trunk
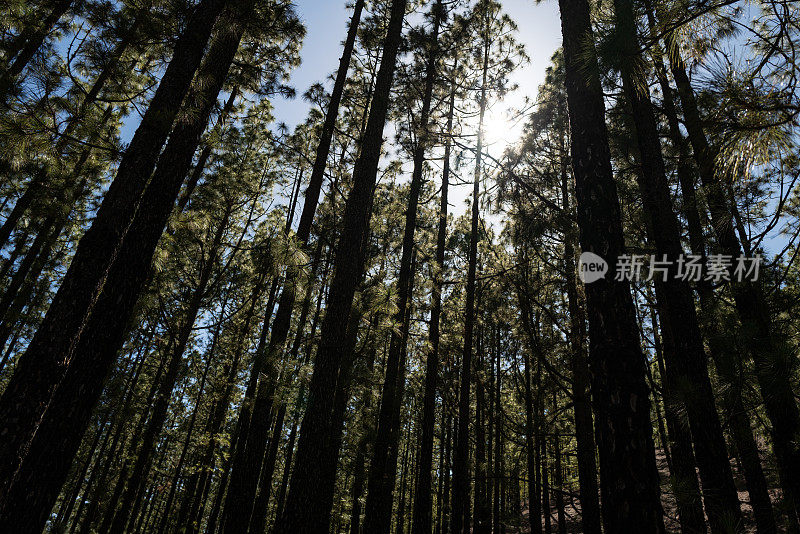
x,y
244,481
382,472
628,473
306,507
68,414
765,343
44,363
692,386
722,356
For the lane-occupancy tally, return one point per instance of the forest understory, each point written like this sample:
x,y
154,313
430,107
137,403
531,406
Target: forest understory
x,y
408,312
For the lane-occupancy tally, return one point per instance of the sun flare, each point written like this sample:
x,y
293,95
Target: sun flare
x,y
500,129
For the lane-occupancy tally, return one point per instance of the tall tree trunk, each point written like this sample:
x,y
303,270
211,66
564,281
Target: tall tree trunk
x,y
584,426
482,512
628,473
461,461
445,512
423,499
559,474
541,441
692,386
534,504
765,343
499,474
103,335
367,437
306,509
380,486
257,522
287,464
44,363
22,204
244,481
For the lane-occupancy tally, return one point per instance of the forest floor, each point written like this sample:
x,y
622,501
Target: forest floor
x,y
572,510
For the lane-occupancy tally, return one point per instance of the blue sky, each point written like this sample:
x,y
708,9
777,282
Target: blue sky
x,y
326,23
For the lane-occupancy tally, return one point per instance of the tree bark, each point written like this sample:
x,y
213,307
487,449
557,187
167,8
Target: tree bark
x,y
43,365
628,473
104,333
380,486
582,409
306,508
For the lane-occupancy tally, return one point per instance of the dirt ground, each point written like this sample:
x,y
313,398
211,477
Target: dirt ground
x,y
572,506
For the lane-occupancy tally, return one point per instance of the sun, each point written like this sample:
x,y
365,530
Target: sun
x,y
500,129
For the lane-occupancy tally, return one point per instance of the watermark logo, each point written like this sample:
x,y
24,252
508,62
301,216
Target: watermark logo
x,y
591,267
690,267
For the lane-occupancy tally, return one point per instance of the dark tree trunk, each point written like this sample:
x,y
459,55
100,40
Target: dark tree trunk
x,y
251,412
44,363
541,442
630,490
584,426
423,498
380,487
244,481
258,521
766,344
534,484
482,512
558,479
306,507
498,443
692,386
444,512
401,505
287,464
682,463
68,414
364,441
461,461
21,205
